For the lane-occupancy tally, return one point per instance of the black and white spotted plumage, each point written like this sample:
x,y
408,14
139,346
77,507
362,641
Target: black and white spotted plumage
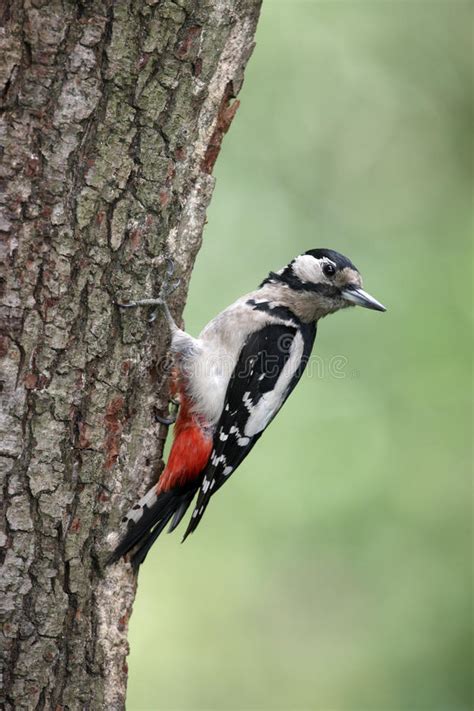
x,y
234,378
271,360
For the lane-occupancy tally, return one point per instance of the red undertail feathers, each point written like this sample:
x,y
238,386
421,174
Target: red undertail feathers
x,y
168,501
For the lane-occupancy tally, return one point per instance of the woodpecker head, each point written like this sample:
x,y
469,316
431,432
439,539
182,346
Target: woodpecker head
x,y
326,279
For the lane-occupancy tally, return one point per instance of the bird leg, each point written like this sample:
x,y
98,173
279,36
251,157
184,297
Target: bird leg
x,y
167,421
167,288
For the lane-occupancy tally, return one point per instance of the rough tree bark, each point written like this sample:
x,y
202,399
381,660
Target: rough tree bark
x,y
113,116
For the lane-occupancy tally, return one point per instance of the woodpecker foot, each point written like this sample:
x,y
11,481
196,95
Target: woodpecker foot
x,y
166,289
168,286
173,414
167,421
140,302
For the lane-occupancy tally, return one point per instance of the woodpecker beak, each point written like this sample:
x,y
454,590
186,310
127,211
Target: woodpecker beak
x,y
361,298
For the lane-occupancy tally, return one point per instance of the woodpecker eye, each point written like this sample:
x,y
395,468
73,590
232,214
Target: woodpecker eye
x,y
329,269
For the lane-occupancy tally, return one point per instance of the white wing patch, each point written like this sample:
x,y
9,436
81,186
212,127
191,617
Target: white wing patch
x,y
271,401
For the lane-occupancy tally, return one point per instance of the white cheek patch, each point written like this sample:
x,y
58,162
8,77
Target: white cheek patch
x,y
307,268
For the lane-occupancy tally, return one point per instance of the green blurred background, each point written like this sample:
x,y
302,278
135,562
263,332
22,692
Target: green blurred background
x,y
333,572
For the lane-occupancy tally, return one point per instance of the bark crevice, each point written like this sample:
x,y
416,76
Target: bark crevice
x,y
112,118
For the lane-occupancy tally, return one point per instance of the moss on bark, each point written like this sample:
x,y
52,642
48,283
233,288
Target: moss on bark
x,y
111,109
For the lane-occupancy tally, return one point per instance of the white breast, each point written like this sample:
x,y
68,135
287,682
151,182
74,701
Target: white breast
x,y
211,363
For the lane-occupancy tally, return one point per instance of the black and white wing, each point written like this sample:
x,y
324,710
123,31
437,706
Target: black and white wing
x,y
270,364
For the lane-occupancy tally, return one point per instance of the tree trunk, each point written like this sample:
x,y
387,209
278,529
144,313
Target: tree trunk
x,y
113,116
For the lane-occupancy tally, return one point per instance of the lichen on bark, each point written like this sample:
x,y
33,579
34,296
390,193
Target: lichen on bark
x,y
113,116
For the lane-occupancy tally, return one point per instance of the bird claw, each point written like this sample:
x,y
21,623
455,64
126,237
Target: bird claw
x,y
166,289
167,286
169,268
171,419
154,313
167,421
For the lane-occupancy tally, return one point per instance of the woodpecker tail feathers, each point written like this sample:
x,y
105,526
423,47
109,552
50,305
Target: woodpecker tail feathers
x,y
147,519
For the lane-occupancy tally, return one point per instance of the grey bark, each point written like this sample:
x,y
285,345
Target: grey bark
x,y
113,115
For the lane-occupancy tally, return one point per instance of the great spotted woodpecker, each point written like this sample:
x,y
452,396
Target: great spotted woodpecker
x,y
231,382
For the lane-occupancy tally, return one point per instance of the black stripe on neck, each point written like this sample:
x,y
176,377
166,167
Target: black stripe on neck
x,y
277,310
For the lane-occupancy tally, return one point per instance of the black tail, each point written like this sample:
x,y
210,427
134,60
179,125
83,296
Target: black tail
x,y
147,520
